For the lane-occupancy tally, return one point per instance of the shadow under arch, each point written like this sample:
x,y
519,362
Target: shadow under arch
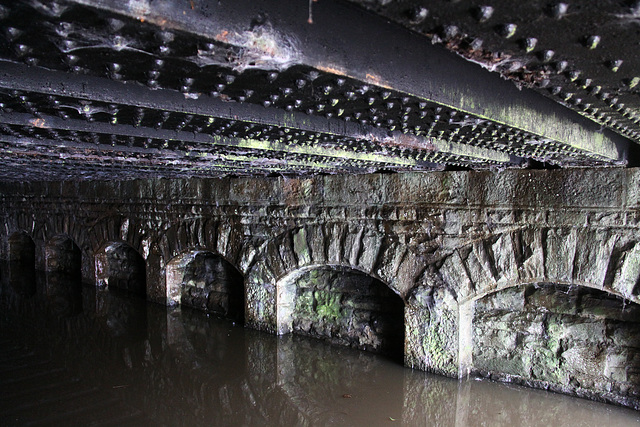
x,y
206,281
63,265
578,340
22,248
22,264
62,255
119,266
342,305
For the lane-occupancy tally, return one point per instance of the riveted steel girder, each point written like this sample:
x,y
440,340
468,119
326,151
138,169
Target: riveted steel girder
x,y
269,86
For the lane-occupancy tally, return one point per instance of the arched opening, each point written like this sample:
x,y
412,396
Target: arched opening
x,y
578,340
207,282
22,259
121,267
63,262
343,306
62,255
22,248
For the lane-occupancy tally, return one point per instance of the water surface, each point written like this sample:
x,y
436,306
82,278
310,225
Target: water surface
x,y
72,356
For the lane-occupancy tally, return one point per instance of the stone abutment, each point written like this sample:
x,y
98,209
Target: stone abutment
x,y
524,276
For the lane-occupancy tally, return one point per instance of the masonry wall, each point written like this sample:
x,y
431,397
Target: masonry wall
x,y
441,242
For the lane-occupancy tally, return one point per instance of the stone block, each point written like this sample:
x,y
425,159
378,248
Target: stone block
x,y
584,331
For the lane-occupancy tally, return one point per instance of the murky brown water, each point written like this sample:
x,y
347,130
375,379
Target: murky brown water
x,y
71,356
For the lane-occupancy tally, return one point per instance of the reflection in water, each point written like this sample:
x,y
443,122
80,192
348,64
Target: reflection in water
x,y
180,367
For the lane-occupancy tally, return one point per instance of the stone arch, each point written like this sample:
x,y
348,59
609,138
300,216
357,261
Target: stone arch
x,y
577,340
118,265
341,304
599,259
63,255
83,236
207,281
594,258
223,237
359,246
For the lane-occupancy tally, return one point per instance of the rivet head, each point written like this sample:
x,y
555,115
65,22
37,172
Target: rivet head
x,y
632,82
547,55
13,33
559,10
561,66
555,90
483,13
614,65
592,42
417,15
450,31
573,75
530,44
507,30
585,83
164,36
476,43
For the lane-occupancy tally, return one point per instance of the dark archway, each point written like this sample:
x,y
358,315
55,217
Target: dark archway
x,y
22,260
212,284
63,263
573,339
22,248
62,255
121,267
346,307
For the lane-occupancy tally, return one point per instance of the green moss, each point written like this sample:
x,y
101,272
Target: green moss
x,y
328,304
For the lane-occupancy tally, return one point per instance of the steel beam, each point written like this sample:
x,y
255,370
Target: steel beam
x,y
374,52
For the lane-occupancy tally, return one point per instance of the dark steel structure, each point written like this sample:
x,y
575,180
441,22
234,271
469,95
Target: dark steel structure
x,y
120,89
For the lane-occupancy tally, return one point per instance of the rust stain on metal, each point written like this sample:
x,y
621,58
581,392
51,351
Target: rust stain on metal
x,y
222,36
377,80
39,123
332,69
405,141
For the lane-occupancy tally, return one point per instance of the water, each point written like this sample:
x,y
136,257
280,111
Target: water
x,y
72,356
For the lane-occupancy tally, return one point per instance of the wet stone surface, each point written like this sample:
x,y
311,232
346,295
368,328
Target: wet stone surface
x,y
349,308
571,340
